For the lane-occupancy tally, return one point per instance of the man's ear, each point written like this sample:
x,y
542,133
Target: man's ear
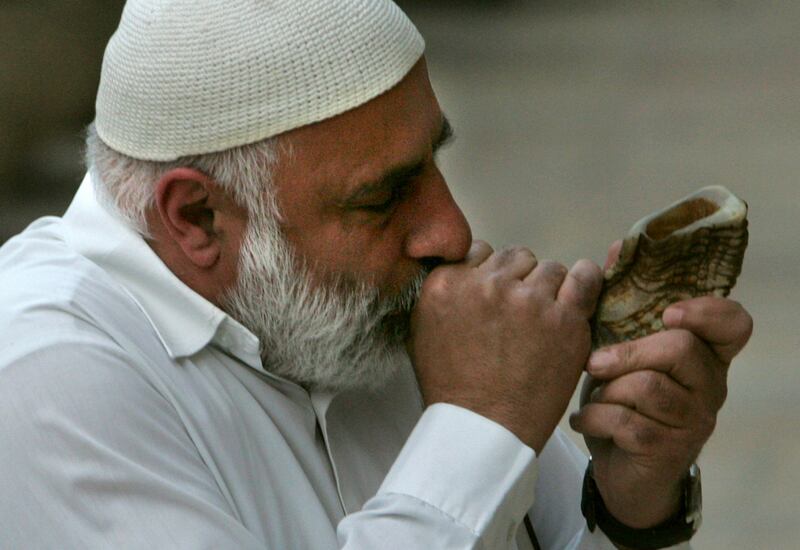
x,y
186,202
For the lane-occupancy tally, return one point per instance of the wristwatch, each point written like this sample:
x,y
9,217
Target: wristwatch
x,y
679,528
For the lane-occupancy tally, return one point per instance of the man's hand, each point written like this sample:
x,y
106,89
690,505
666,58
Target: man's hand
x,y
505,336
653,402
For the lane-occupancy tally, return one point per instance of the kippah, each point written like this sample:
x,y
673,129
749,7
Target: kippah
x,y
186,77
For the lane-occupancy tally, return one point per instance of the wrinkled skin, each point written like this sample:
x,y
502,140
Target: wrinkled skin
x,y
649,405
508,337
505,336
498,333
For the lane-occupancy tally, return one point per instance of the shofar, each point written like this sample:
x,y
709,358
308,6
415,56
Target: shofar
x,y
692,248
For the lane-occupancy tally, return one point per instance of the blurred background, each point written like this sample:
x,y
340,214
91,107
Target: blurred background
x,y
573,120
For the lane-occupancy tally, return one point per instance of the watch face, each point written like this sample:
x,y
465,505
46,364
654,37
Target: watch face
x,y
694,498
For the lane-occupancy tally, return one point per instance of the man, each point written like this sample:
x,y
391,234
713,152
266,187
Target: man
x,y
211,348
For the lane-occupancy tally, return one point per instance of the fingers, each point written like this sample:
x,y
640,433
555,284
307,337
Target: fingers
x,y
613,254
678,353
651,393
581,286
723,323
478,253
630,430
512,262
547,277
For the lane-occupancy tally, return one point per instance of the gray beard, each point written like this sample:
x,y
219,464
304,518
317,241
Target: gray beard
x,y
339,336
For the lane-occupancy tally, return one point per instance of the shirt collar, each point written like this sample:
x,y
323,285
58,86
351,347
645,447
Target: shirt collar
x,y
184,321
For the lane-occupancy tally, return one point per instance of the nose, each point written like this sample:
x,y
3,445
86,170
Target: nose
x,y
438,230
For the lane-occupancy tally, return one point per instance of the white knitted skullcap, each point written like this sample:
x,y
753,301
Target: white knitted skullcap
x,y
186,77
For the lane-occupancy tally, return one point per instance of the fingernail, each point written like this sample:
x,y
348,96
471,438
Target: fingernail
x,y
672,316
601,359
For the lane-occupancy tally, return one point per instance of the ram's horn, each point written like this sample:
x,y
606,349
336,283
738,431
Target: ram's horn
x,y
692,248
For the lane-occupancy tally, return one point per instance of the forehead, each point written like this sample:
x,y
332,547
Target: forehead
x,y
333,156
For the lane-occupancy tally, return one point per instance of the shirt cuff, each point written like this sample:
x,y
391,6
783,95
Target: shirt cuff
x,y
469,467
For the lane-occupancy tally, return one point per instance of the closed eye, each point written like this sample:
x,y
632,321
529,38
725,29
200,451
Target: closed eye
x,y
398,193
380,196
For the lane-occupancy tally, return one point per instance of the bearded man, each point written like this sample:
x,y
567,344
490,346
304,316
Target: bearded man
x,y
264,323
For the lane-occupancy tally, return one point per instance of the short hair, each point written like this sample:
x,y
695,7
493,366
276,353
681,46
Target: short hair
x,y
126,186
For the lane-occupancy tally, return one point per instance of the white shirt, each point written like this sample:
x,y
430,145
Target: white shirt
x,y
136,414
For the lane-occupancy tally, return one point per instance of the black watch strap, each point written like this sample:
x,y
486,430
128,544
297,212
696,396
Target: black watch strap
x,y
679,528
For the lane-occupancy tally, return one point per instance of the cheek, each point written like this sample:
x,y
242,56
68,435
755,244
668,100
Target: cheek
x,y
374,256
367,253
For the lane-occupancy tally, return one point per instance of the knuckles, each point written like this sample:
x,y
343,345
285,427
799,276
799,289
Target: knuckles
x,y
643,434
666,405
646,436
685,345
522,299
588,276
626,353
653,382
652,438
745,321
552,269
624,417
437,284
459,292
511,252
655,388
490,287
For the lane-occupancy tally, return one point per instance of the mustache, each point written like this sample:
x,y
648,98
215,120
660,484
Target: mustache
x,y
405,300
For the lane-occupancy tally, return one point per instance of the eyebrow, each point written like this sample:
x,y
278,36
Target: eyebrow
x,y
400,176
